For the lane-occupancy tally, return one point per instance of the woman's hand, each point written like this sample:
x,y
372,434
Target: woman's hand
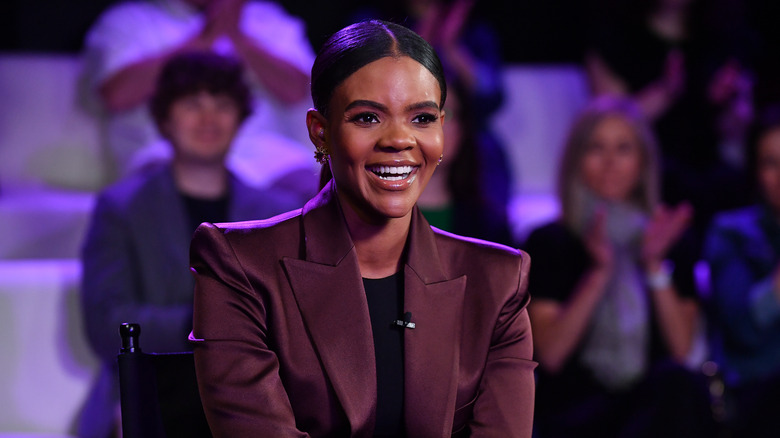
x,y
664,229
598,244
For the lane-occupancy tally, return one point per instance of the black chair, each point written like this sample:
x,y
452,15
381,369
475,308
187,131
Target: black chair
x,y
158,392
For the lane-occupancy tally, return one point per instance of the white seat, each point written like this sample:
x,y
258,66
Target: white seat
x,y
47,367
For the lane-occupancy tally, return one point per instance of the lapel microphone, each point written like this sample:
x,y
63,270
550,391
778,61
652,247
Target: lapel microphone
x,y
406,322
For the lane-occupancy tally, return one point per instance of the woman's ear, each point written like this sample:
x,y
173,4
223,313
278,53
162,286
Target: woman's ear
x,y
316,123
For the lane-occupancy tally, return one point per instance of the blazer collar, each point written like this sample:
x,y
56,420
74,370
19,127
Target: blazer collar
x,y
329,291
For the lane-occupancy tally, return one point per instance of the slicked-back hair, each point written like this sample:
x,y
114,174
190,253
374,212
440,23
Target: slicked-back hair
x,y
360,44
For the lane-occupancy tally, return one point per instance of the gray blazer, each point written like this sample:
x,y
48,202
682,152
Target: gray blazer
x,y
136,264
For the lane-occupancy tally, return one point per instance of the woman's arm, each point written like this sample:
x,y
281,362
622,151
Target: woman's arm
x,y
560,326
677,317
505,400
238,372
654,99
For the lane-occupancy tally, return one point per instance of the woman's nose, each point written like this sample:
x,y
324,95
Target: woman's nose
x,y
397,136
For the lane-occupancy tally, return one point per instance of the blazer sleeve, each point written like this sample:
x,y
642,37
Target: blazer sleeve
x,y
238,373
505,404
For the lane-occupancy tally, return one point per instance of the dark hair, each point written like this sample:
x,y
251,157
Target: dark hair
x,y
192,72
360,44
767,120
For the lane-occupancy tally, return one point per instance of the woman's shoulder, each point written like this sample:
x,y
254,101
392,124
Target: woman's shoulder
x,y
458,243
255,236
469,254
553,234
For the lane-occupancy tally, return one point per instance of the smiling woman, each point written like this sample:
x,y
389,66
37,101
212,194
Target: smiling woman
x,y
357,318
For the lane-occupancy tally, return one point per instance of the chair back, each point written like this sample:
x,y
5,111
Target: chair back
x,y
158,392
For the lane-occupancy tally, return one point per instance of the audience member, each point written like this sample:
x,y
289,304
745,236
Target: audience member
x,y
129,43
685,67
455,198
743,253
135,255
613,321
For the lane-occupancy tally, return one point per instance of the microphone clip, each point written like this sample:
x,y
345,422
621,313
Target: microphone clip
x,y
406,322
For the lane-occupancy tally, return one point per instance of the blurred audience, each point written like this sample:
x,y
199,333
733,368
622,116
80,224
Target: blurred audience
x,y
135,256
455,198
687,65
743,253
614,308
129,43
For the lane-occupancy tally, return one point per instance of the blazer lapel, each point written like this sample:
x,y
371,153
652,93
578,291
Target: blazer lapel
x,y
432,348
328,289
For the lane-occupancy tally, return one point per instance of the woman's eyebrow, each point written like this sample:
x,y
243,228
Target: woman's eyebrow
x,y
368,103
372,104
423,105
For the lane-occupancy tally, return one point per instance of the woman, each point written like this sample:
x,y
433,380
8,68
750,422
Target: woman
x,y
351,316
743,253
612,321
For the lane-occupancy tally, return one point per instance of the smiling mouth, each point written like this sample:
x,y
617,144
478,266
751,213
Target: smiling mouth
x,y
392,173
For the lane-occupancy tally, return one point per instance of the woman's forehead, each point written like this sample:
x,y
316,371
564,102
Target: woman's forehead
x,y
390,80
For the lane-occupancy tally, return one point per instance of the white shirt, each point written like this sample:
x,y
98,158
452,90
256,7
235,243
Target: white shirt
x,y
271,140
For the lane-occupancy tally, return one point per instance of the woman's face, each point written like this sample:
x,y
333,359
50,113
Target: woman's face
x,y
201,126
612,163
385,137
769,167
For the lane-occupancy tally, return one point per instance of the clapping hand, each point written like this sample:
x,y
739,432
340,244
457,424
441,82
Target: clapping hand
x,y
597,242
666,226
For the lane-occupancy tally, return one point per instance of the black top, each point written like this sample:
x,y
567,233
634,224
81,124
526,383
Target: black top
x,y
385,304
560,258
205,210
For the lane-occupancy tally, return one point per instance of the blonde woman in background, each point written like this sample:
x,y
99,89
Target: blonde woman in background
x,y
613,321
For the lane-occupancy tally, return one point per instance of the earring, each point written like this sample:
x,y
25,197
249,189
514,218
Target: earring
x,y
441,157
321,155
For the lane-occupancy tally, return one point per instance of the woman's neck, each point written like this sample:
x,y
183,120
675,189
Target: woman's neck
x,y
204,181
379,246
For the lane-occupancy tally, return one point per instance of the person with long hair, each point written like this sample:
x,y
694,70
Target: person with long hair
x,y
614,321
352,317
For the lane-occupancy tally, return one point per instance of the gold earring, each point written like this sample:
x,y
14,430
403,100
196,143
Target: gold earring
x,y
441,157
321,155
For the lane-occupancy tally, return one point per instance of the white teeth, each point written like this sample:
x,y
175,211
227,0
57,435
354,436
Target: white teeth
x,y
392,173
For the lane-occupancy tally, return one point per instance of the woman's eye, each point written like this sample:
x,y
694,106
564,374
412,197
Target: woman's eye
x,y
425,118
365,118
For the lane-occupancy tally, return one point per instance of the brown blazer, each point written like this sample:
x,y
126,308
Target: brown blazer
x,y
283,343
